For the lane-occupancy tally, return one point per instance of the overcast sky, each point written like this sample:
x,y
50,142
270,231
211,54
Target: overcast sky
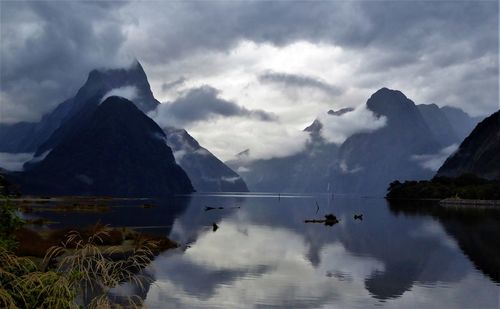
x,y
278,64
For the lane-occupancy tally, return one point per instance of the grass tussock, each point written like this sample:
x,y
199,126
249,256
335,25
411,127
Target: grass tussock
x,y
77,272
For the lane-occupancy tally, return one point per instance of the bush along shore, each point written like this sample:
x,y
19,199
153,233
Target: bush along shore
x,y
465,190
71,268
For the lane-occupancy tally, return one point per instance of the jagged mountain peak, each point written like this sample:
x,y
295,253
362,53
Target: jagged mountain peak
x,y
390,103
315,126
101,81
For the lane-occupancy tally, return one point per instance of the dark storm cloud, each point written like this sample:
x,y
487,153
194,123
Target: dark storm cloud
x,y
201,104
298,81
169,85
406,26
49,47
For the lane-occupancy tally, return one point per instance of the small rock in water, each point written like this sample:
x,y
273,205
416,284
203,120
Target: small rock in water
x,y
212,208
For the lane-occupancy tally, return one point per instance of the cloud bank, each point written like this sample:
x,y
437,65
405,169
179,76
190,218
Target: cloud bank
x,y
202,104
336,129
446,52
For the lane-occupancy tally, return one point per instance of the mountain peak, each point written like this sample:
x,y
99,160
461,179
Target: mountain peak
x,y
102,81
384,92
114,102
391,103
85,161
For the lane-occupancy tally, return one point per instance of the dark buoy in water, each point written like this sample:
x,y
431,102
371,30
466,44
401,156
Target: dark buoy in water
x,y
214,227
358,217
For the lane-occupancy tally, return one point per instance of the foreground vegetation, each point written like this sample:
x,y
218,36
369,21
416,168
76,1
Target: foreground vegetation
x,y
79,270
467,186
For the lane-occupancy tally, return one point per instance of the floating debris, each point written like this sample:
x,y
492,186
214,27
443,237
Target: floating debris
x,y
329,220
208,208
358,217
215,227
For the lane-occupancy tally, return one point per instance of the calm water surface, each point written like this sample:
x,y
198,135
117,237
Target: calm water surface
x,y
264,255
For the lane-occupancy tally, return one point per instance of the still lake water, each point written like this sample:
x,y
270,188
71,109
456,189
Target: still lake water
x,y
264,255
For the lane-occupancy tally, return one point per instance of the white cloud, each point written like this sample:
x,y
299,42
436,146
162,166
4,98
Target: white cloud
x,y
227,136
434,161
14,161
336,129
127,92
179,154
346,170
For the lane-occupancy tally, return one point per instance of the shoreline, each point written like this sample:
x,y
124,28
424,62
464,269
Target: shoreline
x,y
469,203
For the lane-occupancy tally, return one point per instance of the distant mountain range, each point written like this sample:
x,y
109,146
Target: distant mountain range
x,y
411,145
365,163
69,118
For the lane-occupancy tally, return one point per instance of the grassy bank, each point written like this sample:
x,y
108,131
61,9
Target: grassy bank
x,y
70,268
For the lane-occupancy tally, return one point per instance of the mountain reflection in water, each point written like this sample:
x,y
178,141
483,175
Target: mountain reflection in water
x,y
263,254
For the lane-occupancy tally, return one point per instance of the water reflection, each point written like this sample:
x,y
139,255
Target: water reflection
x,y
264,255
157,218
477,232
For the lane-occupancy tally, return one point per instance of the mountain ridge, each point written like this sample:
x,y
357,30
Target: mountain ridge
x,y
117,151
479,153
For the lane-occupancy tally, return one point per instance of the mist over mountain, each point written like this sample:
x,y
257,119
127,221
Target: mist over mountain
x,y
369,161
27,137
352,150
306,171
207,173
116,151
479,153
412,144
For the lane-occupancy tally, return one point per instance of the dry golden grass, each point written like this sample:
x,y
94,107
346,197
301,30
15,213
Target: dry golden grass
x,y
84,273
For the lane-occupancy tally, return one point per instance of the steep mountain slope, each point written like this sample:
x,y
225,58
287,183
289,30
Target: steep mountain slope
x,y
438,123
364,164
207,173
116,151
479,153
27,137
368,162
